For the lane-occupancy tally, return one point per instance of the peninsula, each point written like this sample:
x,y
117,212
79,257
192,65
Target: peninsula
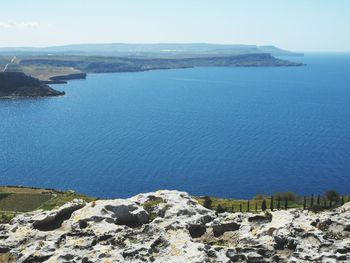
x,y
19,85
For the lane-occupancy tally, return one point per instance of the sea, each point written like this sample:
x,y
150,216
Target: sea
x,y
228,132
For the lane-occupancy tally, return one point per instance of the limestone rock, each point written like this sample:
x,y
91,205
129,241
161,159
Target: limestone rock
x,y
170,226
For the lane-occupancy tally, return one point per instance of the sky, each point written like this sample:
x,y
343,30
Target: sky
x,y
298,25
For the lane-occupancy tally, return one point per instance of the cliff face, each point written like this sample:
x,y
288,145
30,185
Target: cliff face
x,y
17,84
170,226
62,79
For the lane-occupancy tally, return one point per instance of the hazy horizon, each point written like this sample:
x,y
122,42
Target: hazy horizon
x,y
300,26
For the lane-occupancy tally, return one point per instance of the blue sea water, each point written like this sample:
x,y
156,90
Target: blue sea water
x,y
231,132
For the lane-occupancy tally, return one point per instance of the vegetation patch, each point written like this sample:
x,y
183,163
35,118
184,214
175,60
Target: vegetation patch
x,y
277,201
150,205
15,200
61,198
23,202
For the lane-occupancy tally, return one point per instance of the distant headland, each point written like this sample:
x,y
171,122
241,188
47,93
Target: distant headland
x,y
56,65
18,85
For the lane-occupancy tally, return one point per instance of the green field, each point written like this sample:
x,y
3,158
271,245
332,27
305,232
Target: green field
x,y
15,200
23,202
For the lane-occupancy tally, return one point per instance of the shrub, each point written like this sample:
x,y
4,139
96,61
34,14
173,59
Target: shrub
x,y
207,202
220,209
316,208
268,215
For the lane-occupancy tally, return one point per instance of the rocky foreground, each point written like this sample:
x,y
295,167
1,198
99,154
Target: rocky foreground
x,y
170,226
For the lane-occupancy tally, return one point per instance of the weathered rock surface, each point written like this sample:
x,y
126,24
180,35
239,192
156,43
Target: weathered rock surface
x,y
173,229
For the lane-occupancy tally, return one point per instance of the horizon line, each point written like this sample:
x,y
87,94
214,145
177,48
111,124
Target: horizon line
x,y
171,43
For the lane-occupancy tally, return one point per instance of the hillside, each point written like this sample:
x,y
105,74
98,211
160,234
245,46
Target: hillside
x,y
17,84
170,226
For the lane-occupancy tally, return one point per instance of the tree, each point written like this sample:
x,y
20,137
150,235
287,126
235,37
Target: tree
x,y
207,202
256,206
248,206
312,201
263,205
304,205
318,200
342,200
333,196
278,203
240,207
271,203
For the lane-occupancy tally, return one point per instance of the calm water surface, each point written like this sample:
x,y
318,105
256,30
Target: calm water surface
x,y
230,132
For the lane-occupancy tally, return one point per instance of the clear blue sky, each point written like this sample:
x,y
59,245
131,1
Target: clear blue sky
x,y
300,25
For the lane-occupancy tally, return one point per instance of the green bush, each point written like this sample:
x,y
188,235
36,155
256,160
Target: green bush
x,y
316,208
220,209
207,202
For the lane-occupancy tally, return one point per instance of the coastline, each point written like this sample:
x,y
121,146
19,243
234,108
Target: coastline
x,y
15,97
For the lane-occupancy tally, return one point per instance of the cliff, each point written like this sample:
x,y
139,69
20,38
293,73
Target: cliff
x,y
17,85
62,79
170,226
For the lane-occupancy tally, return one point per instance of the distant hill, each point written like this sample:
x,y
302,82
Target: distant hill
x,y
17,84
150,50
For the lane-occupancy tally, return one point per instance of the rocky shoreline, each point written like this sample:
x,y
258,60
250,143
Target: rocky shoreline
x,y
170,226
